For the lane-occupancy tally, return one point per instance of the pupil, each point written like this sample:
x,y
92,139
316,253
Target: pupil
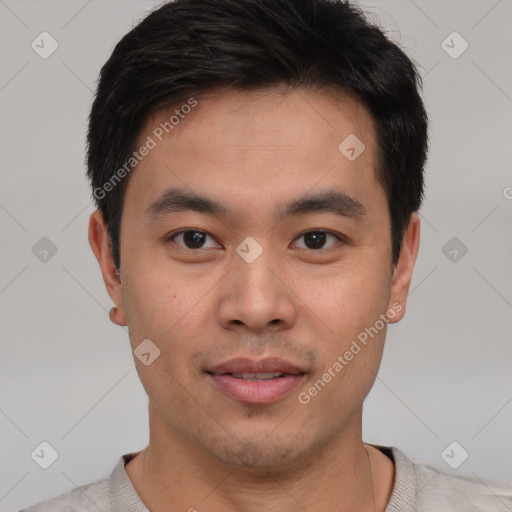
x,y
316,237
193,238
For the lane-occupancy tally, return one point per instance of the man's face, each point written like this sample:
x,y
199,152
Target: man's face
x,y
203,300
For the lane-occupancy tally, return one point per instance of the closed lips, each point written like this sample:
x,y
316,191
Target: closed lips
x,y
256,382
258,376
244,368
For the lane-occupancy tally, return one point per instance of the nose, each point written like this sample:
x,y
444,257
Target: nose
x,y
257,295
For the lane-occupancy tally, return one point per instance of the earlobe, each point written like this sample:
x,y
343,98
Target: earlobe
x,y
115,318
402,273
100,244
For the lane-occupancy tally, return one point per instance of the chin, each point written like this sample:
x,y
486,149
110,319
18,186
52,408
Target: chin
x,y
258,453
252,455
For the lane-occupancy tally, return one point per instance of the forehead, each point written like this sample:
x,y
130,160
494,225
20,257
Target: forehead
x,y
301,117
257,145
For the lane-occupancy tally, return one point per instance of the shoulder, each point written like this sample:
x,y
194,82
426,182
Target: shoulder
x,y
453,491
91,497
439,489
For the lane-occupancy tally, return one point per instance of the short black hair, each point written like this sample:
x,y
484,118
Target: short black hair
x,y
188,47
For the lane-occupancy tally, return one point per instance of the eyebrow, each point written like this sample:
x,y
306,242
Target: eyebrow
x,y
175,200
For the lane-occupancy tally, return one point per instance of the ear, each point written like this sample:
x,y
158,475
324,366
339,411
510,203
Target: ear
x,y
99,241
402,273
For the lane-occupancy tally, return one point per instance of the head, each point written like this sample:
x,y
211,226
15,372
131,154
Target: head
x,y
257,167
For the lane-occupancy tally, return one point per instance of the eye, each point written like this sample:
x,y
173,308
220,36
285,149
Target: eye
x,y
192,238
195,239
316,239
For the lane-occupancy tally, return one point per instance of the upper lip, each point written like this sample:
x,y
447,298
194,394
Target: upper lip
x,y
246,365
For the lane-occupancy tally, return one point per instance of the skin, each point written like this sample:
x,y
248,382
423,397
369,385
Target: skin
x,y
251,151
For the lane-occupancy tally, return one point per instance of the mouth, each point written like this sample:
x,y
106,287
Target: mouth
x,y
258,376
256,382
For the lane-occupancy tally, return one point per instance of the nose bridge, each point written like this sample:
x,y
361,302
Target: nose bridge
x,y
254,265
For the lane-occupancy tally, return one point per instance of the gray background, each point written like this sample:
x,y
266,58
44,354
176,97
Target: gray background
x,y
66,373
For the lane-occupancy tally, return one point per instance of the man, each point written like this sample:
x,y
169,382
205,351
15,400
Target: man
x,y
258,168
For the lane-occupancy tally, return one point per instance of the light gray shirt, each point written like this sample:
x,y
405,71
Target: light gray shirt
x,y
417,488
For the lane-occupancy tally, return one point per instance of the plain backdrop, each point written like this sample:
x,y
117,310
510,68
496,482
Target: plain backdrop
x,y
67,374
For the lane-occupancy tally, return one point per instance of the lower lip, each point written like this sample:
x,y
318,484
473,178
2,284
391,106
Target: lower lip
x,y
256,391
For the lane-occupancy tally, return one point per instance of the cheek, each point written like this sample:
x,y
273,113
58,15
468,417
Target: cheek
x,y
167,310
346,308
356,332
152,305
350,295
160,312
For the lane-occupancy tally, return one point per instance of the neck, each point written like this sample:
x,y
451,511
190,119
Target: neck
x,y
341,476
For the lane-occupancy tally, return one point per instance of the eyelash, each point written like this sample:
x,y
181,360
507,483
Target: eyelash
x,y
172,236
